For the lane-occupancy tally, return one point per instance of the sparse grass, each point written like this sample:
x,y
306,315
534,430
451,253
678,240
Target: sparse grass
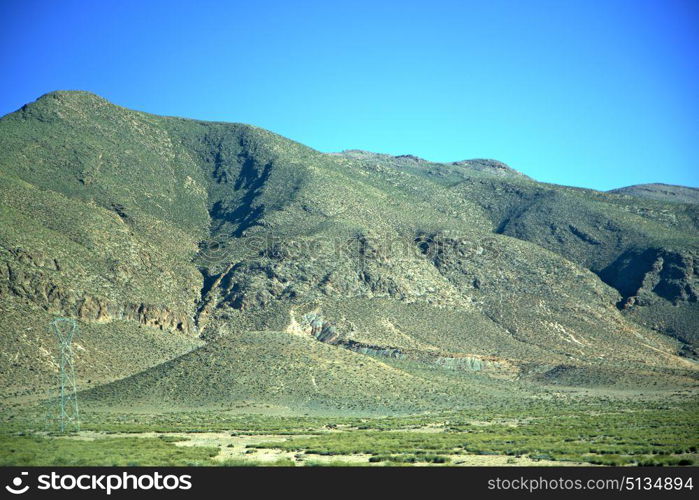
x,y
48,451
637,437
585,431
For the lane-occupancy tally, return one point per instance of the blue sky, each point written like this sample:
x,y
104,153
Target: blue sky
x,y
598,94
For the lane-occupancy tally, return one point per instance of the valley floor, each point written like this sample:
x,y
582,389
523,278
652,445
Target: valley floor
x,y
590,429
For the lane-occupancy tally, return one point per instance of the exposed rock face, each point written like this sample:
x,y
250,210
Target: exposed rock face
x,y
356,266
39,288
326,332
646,276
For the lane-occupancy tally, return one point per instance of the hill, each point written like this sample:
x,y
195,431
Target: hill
x,y
340,264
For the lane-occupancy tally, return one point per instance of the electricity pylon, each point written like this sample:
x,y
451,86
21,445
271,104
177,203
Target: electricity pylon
x,y
68,417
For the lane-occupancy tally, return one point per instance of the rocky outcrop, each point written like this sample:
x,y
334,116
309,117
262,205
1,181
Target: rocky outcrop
x,y
494,167
644,277
34,258
38,287
95,309
356,266
325,331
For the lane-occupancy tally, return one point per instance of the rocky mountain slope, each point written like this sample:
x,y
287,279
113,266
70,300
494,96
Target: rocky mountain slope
x,y
661,192
169,233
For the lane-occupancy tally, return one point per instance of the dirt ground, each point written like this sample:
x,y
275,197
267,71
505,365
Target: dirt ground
x,y
235,447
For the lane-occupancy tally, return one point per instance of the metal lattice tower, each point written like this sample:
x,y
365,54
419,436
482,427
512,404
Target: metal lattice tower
x,y
67,416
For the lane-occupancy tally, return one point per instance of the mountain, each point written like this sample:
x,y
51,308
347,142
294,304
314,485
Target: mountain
x,y
213,263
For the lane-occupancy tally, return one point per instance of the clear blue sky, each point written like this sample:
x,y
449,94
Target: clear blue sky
x,y
588,93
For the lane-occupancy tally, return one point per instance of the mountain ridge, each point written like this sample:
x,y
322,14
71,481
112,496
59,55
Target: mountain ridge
x,y
661,192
